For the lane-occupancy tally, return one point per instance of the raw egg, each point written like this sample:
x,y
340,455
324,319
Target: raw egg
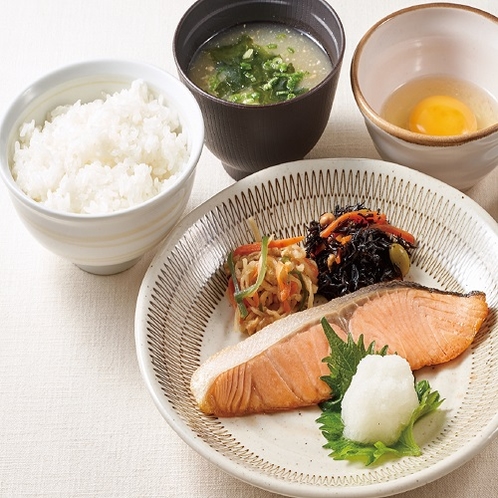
x,y
442,115
450,93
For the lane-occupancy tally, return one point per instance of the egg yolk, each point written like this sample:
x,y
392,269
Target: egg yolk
x,y
442,115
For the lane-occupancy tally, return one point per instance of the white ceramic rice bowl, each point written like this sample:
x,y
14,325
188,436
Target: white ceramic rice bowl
x,y
101,243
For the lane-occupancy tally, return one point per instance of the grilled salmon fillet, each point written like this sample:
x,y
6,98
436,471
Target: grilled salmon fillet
x,y
279,368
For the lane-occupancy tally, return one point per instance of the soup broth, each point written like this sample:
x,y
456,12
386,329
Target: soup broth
x,y
464,97
259,63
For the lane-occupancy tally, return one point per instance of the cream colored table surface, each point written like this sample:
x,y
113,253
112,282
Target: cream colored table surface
x,y
75,416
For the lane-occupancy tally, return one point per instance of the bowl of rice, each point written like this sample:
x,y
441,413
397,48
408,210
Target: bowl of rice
x,y
99,160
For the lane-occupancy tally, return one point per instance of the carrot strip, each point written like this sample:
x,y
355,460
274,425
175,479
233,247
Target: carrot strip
x,y
252,301
284,288
256,246
247,249
344,239
399,232
286,306
361,217
279,243
294,287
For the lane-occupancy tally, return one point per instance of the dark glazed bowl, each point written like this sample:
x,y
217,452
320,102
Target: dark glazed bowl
x,y
249,138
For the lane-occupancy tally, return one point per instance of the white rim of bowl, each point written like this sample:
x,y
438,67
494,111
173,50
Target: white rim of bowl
x,y
386,126
102,67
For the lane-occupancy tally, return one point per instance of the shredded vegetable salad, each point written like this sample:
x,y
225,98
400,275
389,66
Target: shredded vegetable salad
x,y
355,247
269,279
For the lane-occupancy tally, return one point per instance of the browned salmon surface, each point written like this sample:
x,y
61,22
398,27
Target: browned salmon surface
x,y
279,368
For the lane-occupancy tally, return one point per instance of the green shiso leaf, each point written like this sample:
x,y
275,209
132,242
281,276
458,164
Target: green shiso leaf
x,y
343,362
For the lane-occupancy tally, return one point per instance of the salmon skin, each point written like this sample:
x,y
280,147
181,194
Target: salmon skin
x,y
279,367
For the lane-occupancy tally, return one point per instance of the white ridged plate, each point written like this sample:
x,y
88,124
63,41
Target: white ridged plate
x,y
182,317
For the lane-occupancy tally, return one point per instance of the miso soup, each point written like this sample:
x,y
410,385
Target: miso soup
x,y
259,63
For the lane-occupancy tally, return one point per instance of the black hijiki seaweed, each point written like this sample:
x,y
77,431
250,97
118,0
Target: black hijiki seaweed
x,y
364,260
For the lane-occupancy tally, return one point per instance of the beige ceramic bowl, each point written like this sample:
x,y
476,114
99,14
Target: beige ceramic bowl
x,y
107,243
438,39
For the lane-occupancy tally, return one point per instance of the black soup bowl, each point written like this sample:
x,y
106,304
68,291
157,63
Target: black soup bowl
x,y
248,138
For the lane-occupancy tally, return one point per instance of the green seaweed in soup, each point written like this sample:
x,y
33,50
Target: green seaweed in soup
x,y
236,68
248,74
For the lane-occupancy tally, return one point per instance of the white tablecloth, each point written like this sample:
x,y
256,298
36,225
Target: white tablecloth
x,y
75,416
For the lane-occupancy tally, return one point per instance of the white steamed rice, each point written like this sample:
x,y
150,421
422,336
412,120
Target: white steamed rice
x,y
102,156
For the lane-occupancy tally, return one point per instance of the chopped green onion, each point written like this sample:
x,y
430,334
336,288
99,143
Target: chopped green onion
x,y
250,74
250,77
248,53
